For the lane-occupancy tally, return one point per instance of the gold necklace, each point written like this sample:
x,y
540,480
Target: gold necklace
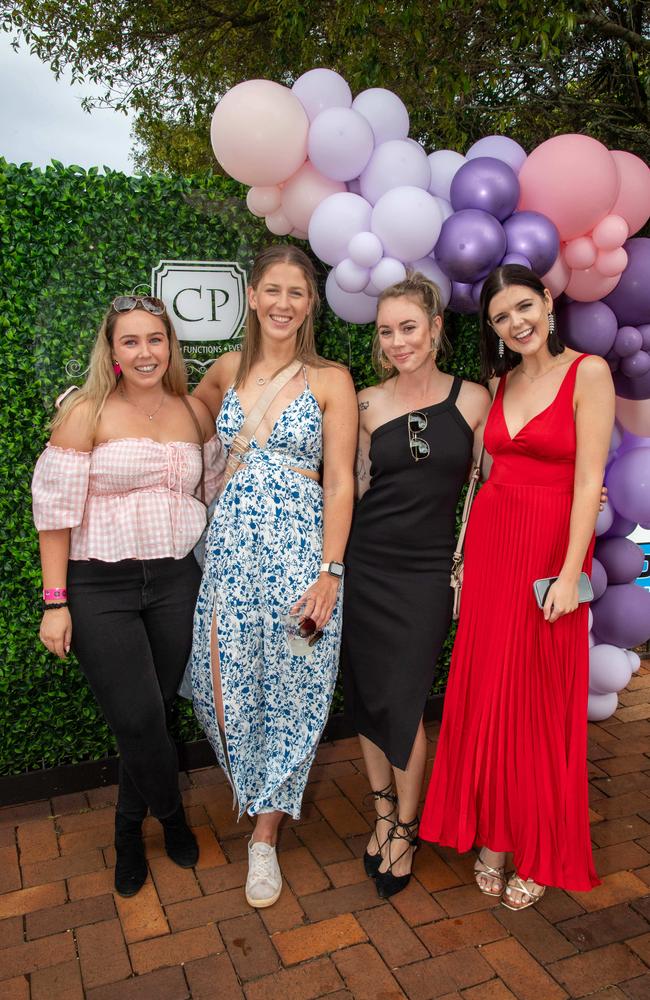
x,y
533,378
150,415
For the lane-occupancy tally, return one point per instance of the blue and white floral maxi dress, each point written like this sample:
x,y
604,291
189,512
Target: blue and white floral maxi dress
x,y
263,550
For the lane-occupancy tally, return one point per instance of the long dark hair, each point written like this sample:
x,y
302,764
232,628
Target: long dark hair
x,y
504,277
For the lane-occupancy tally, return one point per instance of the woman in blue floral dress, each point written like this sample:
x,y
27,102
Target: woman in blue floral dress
x,y
274,549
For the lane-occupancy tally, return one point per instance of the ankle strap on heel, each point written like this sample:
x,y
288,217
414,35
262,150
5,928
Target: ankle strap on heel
x,y
406,831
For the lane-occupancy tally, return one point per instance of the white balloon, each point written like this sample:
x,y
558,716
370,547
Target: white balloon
x,y
365,249
444,164
407,220
355,307
601,706
350,276
334,222
387,272
386,113
428,267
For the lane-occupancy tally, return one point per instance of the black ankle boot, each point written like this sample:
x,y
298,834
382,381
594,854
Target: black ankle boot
x,y
180,842
130,864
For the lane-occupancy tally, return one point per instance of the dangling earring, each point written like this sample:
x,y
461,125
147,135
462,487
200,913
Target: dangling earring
x,y
434,350
117,368
501,348
385,363
551,324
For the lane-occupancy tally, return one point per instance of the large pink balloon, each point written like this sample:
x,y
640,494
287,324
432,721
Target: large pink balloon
x,y
633,202
304,191
259,132
634,415
589,285
558,277
573,180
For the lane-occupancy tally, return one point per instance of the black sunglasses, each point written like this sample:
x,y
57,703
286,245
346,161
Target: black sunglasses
x,y
307,630
126,303
417,423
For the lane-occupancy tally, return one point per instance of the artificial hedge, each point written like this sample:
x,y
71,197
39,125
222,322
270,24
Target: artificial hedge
x,y
70,240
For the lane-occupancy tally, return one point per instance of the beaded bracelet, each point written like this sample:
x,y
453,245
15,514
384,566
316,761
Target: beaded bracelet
x,y
49,605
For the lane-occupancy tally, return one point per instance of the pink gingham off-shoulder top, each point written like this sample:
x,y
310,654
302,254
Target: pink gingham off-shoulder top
x,y
128,498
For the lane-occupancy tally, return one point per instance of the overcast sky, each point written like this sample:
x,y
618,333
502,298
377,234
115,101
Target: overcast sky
x,y
41,118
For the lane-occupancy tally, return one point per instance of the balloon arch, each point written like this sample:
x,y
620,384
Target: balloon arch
x,y
344,175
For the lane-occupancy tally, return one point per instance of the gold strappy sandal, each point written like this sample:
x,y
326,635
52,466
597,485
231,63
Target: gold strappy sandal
x,y
498,874
531,893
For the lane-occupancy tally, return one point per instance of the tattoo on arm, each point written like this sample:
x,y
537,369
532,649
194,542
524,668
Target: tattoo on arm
x,y
364,404
361,470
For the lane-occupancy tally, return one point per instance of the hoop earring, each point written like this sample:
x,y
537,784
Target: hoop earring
x,y
501,348
551,324
117,368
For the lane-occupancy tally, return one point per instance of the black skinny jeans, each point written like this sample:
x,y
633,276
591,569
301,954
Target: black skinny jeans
x,y
132,633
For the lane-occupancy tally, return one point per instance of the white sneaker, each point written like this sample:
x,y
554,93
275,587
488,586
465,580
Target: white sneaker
x,y
264,882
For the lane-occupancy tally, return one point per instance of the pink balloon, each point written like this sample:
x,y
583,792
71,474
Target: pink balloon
x,y
611,262
633,201
580,253
589,285
259,132
262,201
278,223
571,179
612,232
634,415
558,277
304,191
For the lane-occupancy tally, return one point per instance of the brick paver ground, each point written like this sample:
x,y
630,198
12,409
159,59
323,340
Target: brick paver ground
x,y
64,935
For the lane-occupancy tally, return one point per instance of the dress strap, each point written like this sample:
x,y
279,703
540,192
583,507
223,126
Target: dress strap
x,y
455,389
304,372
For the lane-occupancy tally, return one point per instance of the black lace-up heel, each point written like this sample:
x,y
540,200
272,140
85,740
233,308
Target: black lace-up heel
x,y
371,862
387,883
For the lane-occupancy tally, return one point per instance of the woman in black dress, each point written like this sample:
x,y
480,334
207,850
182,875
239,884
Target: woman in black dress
x,y
418,429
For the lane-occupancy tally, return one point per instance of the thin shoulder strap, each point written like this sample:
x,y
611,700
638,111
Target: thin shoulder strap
x,y
199,433
455,389
474,478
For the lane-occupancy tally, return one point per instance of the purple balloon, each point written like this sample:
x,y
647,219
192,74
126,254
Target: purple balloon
x,y
462,300
644,330
628,482
622,615
622,558
535,237
517,258
613,362
589,327
636,364
598,579
620,527
632,388
470,245
487,184
630,300
605,517
501,147
628,341
477,288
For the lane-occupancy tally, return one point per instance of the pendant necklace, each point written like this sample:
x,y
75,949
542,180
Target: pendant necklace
x,y
149,415
261,381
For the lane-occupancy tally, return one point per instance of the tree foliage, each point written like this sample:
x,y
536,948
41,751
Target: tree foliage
x,y
530,69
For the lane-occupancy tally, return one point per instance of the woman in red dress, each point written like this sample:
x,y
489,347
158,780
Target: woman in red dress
x,y
511,772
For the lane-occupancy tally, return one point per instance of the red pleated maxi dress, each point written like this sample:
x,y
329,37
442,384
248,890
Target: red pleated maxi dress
x,y
510,770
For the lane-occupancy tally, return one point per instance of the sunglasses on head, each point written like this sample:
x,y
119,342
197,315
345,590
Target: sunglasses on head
x,y
126,303
417,423
307,630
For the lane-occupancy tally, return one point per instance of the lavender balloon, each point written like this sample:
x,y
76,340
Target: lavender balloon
x,y
628,482
355,307
334,222
470,245
630,300
601,706
589,327
385,112
598,579
535,237
396,163
321,88
444,165
365,249
622,615
486,184
340,143
500,147
622,558
428,267
609,669
350,276
407,220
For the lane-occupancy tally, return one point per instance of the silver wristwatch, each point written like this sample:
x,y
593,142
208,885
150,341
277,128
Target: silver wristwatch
x,y
336,569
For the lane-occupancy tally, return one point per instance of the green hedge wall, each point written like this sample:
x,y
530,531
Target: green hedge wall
x,y
70,240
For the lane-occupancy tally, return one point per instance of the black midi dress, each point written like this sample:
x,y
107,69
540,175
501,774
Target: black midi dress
x,y
397,602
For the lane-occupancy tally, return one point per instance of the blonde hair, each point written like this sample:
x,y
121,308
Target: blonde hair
x,y
426,294
101,381
306,338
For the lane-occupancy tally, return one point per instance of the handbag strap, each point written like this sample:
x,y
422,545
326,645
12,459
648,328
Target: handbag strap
x,y
243,438
475,475
199,432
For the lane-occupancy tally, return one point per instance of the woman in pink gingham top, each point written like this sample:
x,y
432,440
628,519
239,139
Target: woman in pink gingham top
x,y
119,504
